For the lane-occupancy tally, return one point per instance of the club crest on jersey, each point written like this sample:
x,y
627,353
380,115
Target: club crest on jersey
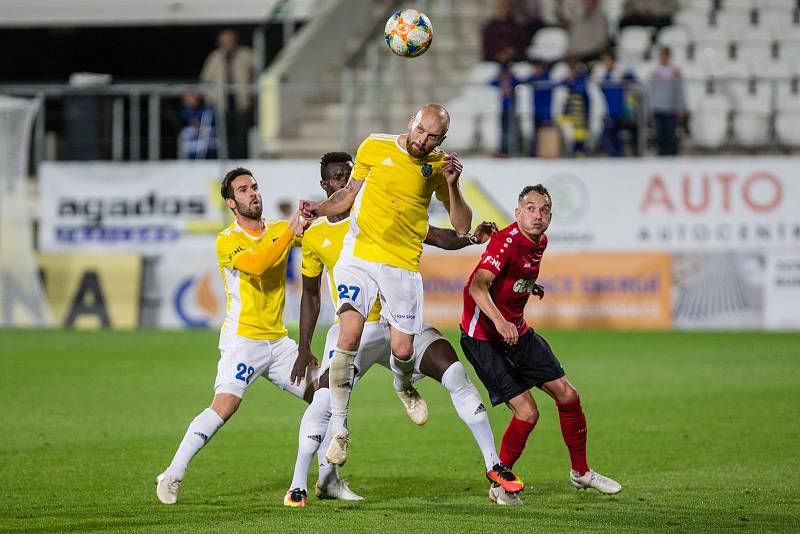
x,y
524,285
427,170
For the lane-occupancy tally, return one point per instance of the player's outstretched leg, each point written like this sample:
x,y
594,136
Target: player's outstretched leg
x,y
199,433
415,406
439,361
329,486
313,427
469,406
574,431
314,438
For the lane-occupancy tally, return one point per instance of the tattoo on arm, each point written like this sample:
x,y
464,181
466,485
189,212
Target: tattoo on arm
x,y
341,193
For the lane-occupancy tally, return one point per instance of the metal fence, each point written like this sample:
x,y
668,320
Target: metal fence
x,y
139,121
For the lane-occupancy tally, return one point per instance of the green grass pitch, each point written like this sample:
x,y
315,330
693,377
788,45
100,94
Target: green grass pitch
x,y
701,429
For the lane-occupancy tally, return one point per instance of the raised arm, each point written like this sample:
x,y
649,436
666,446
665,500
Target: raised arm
x,y
339,202
457,207
255,263
479,291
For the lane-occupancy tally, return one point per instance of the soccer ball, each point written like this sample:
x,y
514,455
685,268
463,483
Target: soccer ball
x,y
408,33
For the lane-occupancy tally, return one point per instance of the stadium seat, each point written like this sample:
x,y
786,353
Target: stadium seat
x,y
490,132
522,70
633,43
483,72
613,10
776,18
774,69
787,113
461,138
734,77
754,47
559,71
712,45
482,98
549,44
751,116
732,20
739,4
694,20
789,56
694,90
677,39
598,70
709,122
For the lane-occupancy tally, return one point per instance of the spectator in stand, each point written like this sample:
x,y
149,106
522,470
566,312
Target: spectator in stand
x,y
230,64
542,93
530,14
667,103
617,86
588,30
655,13
196,140
509,132
503,36
575,119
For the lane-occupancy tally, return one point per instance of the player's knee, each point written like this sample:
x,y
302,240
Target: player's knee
x,y
225,405
455,378
528,413
567,394
348,341
402,350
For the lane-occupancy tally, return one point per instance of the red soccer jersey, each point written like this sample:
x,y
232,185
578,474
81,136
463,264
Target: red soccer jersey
x,y
514,260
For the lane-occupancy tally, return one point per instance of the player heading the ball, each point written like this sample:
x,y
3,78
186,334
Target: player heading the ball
x,y
389,192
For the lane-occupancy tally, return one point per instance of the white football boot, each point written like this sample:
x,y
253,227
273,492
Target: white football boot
x,y
592,479
338,490
500,496
415,405
167,488
337,450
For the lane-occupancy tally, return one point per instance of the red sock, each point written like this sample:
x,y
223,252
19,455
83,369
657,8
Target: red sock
x,y
573,428
514,439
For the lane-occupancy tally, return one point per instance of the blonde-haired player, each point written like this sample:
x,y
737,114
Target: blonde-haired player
x,y
388,194
253,342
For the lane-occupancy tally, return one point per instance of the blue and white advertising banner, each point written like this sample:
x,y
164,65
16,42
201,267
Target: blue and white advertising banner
x,y
192,294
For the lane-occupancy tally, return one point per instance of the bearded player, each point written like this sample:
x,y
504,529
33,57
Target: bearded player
x,y
253,341
389,193
508,356
434,355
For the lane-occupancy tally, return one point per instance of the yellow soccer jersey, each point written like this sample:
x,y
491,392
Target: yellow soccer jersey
x,y
254,302
389,218
322,244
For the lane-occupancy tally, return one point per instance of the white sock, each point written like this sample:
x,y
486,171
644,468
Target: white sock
x,y
403,371
470,408
327,471
313,426
340,379
200,431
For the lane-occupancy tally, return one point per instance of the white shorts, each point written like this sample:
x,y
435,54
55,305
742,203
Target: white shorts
x,y
375,348
359,282
242,360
